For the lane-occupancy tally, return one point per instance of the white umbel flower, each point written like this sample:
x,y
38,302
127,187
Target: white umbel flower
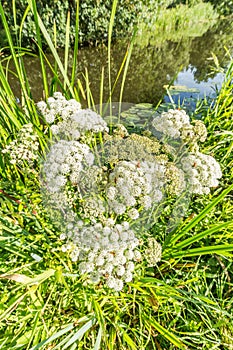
x,y
171,123
203,172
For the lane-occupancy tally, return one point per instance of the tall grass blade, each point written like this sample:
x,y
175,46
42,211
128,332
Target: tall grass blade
x,y
218,249
75,54
101,91
126,70
98,340
67,45
17,62
129,341
203,234
54,336
90,99
53,51
12,307
111,23
22,24
172,240
168,335
80,333
39,43
28,280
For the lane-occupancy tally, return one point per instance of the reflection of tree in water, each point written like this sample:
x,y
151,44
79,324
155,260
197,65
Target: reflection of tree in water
x,y
152,68
153,63
165,48
149,70
214,41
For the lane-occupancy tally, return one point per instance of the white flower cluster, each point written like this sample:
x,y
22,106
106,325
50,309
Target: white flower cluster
x,y
176,124
93,208
194,133
134,184
153,253
58,106
68,118
65,161
122,179
155,179
88,120
24,147
202,172
175,179
171,123
104,251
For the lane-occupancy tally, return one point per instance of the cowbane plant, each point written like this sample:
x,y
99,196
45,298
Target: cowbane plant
x,y
106,187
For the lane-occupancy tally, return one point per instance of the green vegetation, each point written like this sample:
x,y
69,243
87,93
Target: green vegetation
x,y
94,17
183,303
180,22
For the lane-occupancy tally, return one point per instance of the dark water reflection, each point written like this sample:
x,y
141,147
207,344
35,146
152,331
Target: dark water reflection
x,y
152,65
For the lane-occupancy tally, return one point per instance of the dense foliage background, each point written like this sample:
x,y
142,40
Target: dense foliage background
x,y
94,17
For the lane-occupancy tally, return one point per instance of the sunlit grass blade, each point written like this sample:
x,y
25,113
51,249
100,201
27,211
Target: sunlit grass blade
x,y
39,42
35,327
98,340
203,234
98,313
54,83
13,306
22,24
13,249
5,86
112,338
111,23
53,337
163,331
28,280
67,45
53,50
129,341
126,69
90,99
17,63
75,53
173,238
101,91
81,89
8,117
78,335
224,249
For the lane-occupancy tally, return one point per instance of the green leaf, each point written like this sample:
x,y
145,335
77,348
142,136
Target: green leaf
x,y
218,249
172,239
129,341
80,333
168,335
98,340
52,48
65,330
203,234
28,280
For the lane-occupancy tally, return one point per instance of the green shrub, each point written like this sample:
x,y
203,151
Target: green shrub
x,y
94,16
224,7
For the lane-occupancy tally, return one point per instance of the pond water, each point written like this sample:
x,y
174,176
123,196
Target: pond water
x,y
164,54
